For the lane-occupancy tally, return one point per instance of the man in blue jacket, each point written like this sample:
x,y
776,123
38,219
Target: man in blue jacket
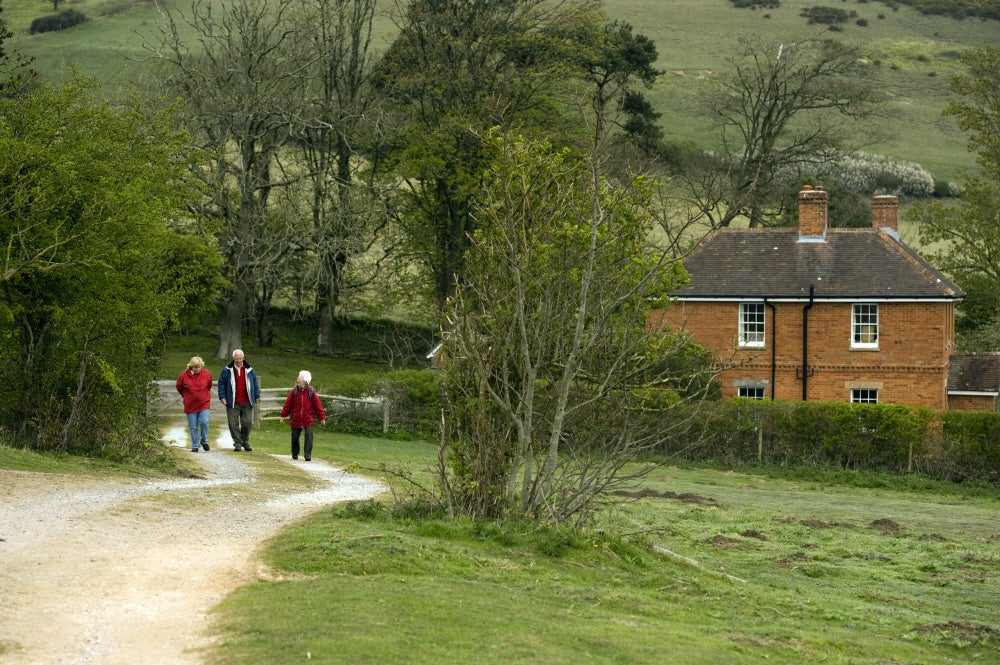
x,y
239,390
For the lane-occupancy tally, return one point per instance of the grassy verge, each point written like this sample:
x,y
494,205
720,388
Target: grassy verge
x,y
790,569
160,464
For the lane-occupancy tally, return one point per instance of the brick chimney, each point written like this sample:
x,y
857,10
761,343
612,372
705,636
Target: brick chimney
x,y
812,212
885,213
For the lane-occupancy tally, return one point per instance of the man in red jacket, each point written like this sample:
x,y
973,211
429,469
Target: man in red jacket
x,y
195,386
303,405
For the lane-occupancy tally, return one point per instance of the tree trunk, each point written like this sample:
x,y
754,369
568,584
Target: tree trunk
x,y
231,324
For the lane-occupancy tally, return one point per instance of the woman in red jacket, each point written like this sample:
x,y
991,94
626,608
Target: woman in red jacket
x,y
303,407
195,386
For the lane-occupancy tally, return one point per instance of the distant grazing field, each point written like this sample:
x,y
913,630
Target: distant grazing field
x,y
916,55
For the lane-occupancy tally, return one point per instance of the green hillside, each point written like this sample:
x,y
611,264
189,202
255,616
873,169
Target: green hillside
x,y
912,55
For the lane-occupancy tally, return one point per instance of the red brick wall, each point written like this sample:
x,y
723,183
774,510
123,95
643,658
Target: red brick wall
x,y
909,367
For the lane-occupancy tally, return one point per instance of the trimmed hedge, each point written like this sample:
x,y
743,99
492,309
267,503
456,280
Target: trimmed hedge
x,y
952,445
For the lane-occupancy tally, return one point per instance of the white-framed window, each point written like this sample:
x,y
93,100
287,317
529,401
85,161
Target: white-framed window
x,y
864,326
864,395
750,392
752,324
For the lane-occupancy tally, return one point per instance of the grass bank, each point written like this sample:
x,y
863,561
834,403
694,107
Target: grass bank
x,y
912,55
777,568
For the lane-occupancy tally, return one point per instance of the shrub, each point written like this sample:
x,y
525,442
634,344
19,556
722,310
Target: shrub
x,y
67,18
945,188
415,401
824,15
754,4
970,445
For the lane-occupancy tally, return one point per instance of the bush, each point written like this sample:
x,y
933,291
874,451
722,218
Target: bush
x,y
970,445
824,15
415,402
67,18
754,4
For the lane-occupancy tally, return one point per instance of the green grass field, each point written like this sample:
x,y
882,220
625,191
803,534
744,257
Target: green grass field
x,y
788,568
917,54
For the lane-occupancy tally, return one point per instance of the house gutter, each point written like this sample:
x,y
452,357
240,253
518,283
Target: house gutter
x,y
805,345
774,343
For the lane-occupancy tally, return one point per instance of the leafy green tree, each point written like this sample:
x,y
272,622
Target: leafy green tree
x,y
613,60
968,232
91,273
456,70
15,69
555,383
978,109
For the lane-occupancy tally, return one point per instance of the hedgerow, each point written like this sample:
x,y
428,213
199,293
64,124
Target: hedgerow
x,y
951,445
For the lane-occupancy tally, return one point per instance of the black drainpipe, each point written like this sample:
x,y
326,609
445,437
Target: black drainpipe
x,y
805,345
774,343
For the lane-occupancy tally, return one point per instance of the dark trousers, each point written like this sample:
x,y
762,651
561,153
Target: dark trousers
x,y
309,441
240,418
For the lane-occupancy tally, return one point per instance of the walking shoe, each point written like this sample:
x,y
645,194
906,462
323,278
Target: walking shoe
x,y
236,449
247,448
295,456
309,459
204,446
194,450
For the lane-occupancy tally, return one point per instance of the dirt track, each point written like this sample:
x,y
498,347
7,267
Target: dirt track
x,y
117,572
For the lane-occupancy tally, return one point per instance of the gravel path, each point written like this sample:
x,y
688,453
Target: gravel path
x,y
116,572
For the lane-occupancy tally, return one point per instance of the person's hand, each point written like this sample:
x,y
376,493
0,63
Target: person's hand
x,y
281,419
223,400
323,422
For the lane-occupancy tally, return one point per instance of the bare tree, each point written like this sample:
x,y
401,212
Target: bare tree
x,y
241,81
338,143
780,105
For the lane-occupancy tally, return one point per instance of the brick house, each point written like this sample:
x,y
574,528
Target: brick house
x,y
817,313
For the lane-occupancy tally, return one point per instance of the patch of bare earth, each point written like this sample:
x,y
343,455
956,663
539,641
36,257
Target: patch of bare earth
x,y
116,572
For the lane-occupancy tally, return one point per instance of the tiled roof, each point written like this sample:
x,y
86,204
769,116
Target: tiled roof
x,y
974,372
774,263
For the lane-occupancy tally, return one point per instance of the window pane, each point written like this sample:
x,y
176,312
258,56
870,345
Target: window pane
x,y
752,324
865,325
751,393
864,395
